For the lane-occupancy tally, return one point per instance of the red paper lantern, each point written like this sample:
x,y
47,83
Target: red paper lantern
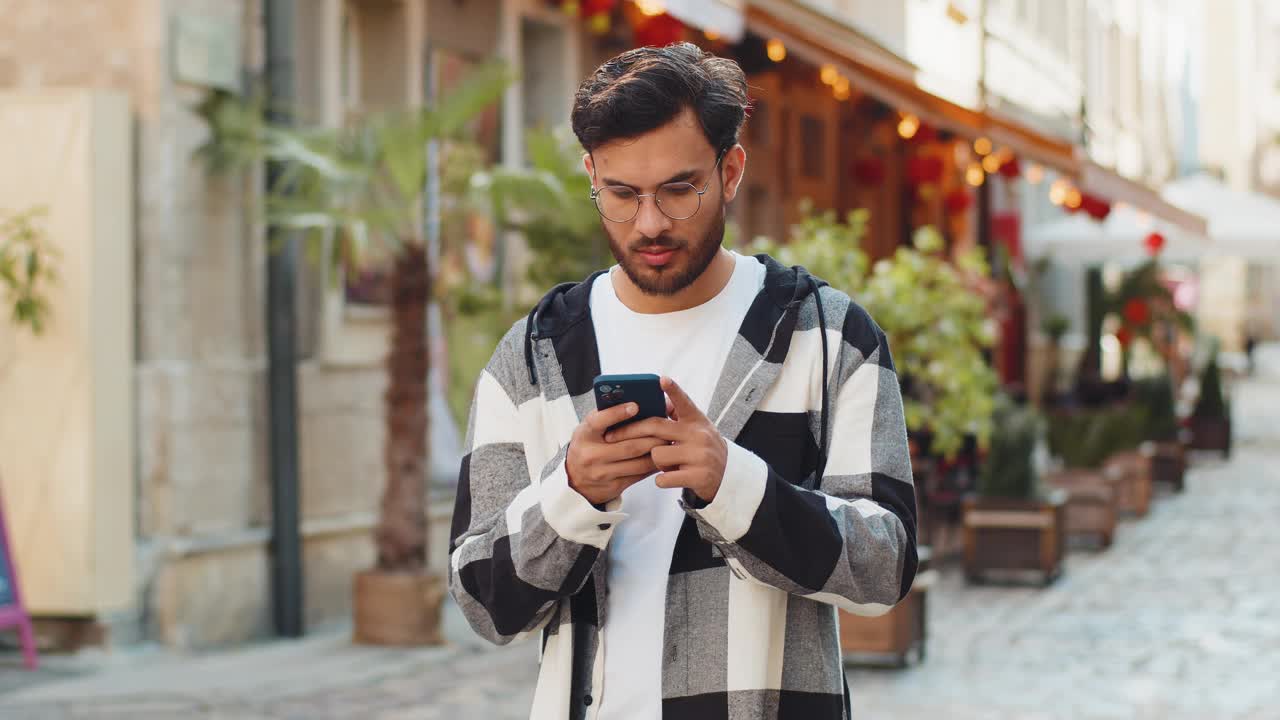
x,y
1137,312
659,31
957,201
1124,336
1096,207
924,169
1154,243
1010,169
925,133
868,170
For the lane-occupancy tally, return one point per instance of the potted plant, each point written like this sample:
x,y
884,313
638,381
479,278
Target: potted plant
x,y
1054,327
366,179
27,260
1210,419
1168,458
1013,525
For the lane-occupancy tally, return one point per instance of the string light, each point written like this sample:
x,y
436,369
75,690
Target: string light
x,y
908,126
1074,199
651,8
776,50
1058,191
974,175
842,91
711,35
829,74
982,146
1035,174
991,163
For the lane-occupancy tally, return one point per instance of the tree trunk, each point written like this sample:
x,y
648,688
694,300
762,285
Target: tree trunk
x,y
401,534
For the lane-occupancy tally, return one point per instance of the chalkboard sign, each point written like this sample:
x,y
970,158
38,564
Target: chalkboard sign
x,y
12,612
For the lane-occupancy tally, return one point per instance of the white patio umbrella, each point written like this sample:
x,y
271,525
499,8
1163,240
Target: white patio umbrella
x,y
1080,239
1244,224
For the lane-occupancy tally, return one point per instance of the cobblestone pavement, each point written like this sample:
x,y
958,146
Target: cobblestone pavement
x,y
1177,620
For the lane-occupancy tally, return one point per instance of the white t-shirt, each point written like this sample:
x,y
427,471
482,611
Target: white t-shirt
x,y
690,346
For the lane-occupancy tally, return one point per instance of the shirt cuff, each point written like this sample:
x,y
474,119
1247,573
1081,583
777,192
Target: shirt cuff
x,y
741,490
572,516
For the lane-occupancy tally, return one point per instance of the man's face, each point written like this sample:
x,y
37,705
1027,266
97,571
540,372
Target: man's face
x,y
662,256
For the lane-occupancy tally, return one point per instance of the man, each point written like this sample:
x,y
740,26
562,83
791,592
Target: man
x,y
688,566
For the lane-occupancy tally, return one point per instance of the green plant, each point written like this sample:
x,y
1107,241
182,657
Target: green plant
x,y
363,183
935,321
1008,470
1085,438
1211,403
27,267
1155,396
1055,327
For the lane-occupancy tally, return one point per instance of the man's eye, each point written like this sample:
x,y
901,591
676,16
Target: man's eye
x,y
679,190
621,193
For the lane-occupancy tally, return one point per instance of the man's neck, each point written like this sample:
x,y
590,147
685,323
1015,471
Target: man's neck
x,y
708,285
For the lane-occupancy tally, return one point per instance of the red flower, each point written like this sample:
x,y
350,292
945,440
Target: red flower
x,y
1154,243
1124,336
1010,169
1137,312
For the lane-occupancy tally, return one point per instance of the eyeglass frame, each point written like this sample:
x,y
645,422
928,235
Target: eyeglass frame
x,y
595,194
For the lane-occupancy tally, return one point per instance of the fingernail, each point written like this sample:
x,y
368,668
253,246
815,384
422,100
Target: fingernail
x,y
632,408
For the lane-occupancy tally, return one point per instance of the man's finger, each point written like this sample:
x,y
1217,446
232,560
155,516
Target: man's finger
x,y
673,456
661,428
674,478
643,467
628,449
683,406
601,420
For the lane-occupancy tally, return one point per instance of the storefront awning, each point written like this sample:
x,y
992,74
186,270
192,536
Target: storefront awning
x,y
820,39
1243,224
724,17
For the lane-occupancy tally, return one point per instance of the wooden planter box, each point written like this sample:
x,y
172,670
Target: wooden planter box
x,y
1169,465
896,638
1091,503
1131,470
1010,537
1211,434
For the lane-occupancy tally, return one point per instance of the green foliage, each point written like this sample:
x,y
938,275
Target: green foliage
x,y
1085,438
1155,396
362,180
1056,326
1009,468
935,322
27,266
1211,403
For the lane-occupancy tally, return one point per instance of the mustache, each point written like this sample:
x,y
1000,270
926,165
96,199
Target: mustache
x,y
667,243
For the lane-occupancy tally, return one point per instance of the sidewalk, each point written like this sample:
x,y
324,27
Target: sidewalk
x,y
1177,620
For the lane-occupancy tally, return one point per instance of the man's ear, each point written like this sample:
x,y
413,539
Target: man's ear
x,y
734,166
589,164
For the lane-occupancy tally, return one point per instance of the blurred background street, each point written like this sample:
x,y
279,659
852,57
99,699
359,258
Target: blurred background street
x,y
251,250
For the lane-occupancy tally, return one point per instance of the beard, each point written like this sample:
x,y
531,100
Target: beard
x,y
691,260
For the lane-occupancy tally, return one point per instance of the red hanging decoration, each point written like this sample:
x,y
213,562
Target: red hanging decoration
x,y
957,201
1137,312
1095,207
924,169
591,8
1154,243
1010,169
660,31
868,170
1124,336
925,134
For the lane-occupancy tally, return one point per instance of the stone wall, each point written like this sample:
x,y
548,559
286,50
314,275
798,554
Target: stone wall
x,y
203,500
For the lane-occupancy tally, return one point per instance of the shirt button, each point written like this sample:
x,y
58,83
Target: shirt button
x,y
586,700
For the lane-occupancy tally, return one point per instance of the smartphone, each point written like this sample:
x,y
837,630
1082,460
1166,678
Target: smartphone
x,y
641,388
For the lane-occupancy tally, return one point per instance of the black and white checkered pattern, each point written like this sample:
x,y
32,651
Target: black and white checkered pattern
x,y
757,574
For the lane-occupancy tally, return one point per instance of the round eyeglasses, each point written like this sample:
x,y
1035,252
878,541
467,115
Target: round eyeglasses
x,y
677,200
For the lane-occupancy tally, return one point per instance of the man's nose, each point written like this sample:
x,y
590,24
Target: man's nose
x,y
650,222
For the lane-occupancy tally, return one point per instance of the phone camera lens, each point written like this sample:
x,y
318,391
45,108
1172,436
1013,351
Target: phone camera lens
x,y
606,388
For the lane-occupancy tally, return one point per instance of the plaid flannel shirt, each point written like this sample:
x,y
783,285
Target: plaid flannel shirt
x,y
751,629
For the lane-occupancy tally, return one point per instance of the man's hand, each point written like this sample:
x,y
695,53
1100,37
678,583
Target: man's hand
x,y
691,451
601,470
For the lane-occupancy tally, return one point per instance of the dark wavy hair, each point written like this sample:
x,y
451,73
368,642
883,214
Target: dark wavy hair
x,y
646,88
